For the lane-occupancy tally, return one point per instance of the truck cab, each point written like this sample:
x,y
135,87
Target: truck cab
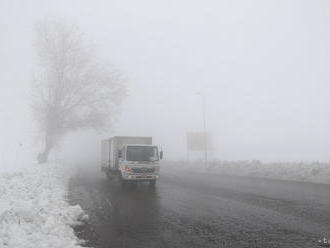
x,y
139,163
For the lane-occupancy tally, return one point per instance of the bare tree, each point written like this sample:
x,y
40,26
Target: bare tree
x,y
73,89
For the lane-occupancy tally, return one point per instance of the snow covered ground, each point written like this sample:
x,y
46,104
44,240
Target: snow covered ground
x,y
316,172
311,172
34,211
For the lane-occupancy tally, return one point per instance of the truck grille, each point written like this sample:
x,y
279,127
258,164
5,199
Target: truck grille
x,y
143,170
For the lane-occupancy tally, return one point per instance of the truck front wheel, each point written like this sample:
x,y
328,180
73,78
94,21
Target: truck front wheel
x,y
123,182
152,183
108,174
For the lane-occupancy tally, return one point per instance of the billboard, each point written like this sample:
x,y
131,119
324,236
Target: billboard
x,y
196,141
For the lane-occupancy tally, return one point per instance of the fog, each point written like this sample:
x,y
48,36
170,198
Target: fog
x,y
263,67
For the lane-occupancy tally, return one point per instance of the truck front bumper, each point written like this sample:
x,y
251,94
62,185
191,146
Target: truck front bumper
x,y
140,177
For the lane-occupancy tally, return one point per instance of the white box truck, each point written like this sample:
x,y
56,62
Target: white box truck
x,y
132,159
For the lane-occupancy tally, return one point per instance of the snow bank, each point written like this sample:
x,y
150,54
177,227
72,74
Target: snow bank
x,y
310,172
34,211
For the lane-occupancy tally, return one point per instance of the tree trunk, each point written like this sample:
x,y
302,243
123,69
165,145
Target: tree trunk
x,y
43,156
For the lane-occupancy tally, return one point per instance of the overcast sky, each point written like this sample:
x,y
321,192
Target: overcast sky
x,y
263,67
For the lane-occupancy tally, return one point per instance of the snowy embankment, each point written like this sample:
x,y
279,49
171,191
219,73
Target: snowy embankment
x,y
34,211
315,172
310,172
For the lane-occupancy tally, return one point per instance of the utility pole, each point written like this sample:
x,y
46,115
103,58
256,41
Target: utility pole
x,y
204,128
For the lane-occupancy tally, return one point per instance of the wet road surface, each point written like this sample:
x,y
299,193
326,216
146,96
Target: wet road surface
x,y
201,210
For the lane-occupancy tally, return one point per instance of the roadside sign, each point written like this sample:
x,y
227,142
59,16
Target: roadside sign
x,y
198,141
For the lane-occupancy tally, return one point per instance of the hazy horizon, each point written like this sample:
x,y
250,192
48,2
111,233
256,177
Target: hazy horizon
x,y
263,67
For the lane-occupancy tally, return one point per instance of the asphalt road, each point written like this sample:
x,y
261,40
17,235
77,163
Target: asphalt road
x,y
201,210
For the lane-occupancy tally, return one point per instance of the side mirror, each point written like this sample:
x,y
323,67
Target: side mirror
x,y
161,154
119,154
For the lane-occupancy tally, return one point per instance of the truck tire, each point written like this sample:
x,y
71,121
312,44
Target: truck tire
x,y
123,182
152,183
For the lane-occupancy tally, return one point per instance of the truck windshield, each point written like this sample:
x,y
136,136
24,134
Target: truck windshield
x,y
142,153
